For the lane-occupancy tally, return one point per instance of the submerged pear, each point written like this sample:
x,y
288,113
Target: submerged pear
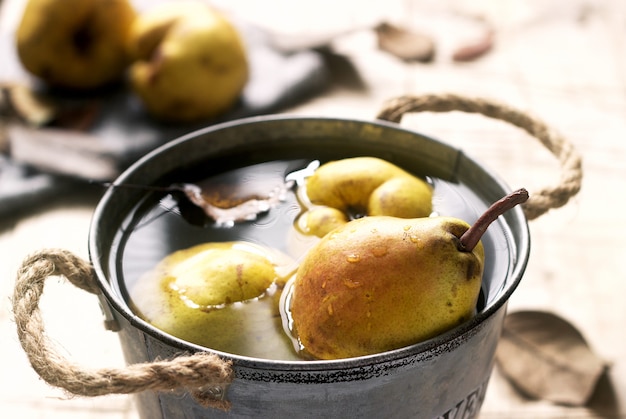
x,y
219,295
379,283
214,274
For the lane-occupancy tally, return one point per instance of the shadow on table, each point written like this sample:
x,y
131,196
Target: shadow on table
x,y
604,400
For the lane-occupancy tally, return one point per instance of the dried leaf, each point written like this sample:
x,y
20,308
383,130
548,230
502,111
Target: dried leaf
x,y
547,358
243,211
404,44
474,50
37,109
27,105
227,203
61,151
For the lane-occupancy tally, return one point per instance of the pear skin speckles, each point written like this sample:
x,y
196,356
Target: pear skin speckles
x,y
416,288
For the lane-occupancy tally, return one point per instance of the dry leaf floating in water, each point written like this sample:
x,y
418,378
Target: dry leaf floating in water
x,y
247,210
223,201
547,358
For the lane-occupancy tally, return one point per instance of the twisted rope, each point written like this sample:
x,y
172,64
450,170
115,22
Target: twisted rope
x,y
203,374
540,201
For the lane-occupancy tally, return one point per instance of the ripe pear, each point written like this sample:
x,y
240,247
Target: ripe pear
x,y
380,283
403,197
219,295
75,44
190,62
319,221
362,186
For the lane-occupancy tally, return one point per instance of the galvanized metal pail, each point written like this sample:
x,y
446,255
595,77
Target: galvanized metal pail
x,y
444,377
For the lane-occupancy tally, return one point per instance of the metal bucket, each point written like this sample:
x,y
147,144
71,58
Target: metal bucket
x,y
444,377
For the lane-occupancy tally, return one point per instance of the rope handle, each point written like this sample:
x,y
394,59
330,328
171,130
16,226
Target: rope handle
x,y
206,376
540,201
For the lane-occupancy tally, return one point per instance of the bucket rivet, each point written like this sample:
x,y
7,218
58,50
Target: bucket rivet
x,y
217,392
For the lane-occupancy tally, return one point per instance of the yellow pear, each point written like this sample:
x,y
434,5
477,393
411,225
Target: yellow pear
x,y
190,62
75,44
403,197
319,221
218,273
362,186
380,283
219,295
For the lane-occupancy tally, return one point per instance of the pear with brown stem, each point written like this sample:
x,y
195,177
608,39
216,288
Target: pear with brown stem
x,y
379,283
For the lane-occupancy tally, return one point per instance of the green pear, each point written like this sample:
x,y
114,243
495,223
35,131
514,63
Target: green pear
x,y
219,295
190,62
362,186
319,221
403,197
76,44
379,283
213,274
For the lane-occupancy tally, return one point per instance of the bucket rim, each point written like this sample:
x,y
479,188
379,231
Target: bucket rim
x,y
423,349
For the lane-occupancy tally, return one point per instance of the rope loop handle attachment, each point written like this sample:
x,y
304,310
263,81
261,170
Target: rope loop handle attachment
x,y
205,375
540,201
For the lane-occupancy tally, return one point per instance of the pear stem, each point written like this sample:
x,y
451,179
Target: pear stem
x,y
472,236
